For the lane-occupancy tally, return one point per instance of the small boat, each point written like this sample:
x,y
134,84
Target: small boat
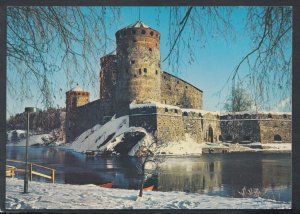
x,y
150,188
107,185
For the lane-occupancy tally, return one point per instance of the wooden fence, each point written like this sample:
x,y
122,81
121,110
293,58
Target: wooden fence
x,y
34,169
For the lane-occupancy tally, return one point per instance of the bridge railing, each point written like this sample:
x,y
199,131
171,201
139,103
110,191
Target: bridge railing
x,y
34,169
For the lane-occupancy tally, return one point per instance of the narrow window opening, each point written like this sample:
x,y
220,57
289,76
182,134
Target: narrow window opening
x,y
151,33
143,32
145,70
140,71
132,61
269,115
156,72
150,49
166,109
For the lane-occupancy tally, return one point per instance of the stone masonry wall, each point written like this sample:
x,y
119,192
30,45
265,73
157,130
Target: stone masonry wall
x,y
175,91
275,127
240,128
170,124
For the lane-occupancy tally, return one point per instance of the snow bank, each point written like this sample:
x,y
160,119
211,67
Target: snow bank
x,y
34,140
66,196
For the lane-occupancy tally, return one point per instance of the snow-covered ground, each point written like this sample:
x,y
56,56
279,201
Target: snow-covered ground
x,y
34,140
66,196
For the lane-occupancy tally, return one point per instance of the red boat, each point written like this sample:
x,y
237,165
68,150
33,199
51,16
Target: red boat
x,y
107,185
150,188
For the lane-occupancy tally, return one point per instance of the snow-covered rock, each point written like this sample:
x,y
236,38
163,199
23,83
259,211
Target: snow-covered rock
x,y
66,196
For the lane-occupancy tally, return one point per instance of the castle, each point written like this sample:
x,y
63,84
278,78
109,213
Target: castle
x,y
132,83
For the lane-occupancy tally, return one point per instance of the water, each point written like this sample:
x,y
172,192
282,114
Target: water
x,y
213,174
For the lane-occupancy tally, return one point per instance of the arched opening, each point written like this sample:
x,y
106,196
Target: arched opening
x,y
277,138
210,134
145,70
185,114
151,33
176,111
220,138
284,116
269,115
143,31
166,110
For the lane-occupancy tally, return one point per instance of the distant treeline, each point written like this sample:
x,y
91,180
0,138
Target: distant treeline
x,y
40,122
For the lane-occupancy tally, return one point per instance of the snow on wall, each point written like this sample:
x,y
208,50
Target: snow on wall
x,y
106,137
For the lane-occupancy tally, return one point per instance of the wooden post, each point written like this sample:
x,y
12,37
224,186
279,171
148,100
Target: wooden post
x,y
53,176
30,171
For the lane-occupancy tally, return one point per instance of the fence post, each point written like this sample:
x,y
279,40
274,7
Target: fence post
x,y
30,171
53,175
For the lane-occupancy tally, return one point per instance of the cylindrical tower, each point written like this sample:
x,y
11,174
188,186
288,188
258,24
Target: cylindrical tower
x,y
108,80
75,98
138,64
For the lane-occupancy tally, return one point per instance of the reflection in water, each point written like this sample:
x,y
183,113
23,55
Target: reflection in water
x,y
190,176
217,174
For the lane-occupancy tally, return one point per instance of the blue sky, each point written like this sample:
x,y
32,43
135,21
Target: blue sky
x,y
215,59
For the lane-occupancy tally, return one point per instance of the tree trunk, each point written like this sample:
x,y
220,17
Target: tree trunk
x,y
142,183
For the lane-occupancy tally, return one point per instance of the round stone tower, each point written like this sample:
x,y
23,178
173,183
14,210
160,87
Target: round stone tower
x,y
138,65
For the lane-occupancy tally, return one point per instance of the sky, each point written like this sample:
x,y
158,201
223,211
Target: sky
x,y
216,57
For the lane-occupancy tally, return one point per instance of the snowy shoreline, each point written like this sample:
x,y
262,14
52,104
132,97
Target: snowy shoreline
x,y
67,196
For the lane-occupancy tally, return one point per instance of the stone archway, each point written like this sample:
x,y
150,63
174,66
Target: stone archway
x,y
210,134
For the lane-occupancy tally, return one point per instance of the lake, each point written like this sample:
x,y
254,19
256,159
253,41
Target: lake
x,y
212,174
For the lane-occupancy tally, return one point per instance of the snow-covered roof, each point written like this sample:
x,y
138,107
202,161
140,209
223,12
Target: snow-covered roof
x,y
138,24
77,88
255,112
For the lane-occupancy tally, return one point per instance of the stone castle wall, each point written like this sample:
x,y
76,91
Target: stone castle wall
x,y
275,128
262,127
108,81
177,92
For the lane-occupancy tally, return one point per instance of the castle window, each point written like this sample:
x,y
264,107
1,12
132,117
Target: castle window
x,y
145,70
132,61
140,71
186,86
151,33
134,40
269,115
150,49
177,82
284,116
134,75
143,32
176,111
166,110
277,138
156,72
200,115
185,114
133,31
